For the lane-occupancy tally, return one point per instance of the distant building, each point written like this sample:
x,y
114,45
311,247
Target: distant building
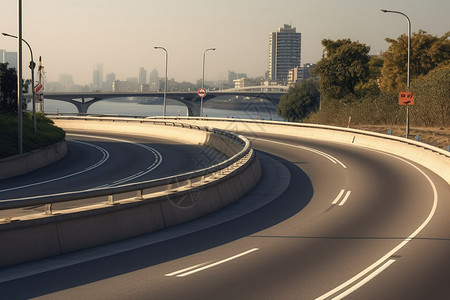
x,y
293,76
142,76
134,83
66,82
109,81
244,82
97,78
8,57
284,52
306,70
121,86
154,80
144,87
233,76
299,73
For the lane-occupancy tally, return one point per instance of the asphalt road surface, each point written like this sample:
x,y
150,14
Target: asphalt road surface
x,y
327,221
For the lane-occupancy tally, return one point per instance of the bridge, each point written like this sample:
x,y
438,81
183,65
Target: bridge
x,y
192,101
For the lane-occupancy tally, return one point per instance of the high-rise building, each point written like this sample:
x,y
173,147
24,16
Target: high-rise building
x,y
97,78
8,57
142,76
154,80
109,81
284,52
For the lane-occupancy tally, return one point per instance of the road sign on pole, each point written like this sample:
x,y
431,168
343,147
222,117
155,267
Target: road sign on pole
x,y
38,88
201,92
406,98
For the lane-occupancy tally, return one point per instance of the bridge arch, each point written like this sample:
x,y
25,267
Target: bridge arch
x,y
190,99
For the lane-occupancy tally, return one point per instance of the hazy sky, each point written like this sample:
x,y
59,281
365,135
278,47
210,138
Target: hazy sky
x,y
73,36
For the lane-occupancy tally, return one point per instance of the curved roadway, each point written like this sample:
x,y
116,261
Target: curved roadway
x,y
100,160
337,221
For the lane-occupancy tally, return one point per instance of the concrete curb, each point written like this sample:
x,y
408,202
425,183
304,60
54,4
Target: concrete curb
x,y
28,162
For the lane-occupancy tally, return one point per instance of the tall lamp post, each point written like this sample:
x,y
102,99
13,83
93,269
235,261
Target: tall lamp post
x,y
203,78
165,84
32,66
409,58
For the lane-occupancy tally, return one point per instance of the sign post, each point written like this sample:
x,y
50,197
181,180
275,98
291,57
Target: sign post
x,y
201,93
407,99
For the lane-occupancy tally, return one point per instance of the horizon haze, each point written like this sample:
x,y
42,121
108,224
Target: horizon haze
x,y
74,36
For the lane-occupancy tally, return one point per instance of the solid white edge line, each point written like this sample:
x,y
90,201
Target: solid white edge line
x,y
217,263
156,163
399,246
345,198
365,280
326,155
91,167
338,197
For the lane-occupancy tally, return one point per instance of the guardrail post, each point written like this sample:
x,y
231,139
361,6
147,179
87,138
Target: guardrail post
x,y
111,199
139,195
48,209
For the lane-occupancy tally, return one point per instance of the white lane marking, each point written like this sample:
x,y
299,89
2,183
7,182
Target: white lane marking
x,y
154,165
338,197
194,269
336,200
186,269
326,155
365,280
399,246
105,157
345,198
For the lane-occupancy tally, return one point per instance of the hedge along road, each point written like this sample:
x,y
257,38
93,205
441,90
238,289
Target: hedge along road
x,y
348,221
102,160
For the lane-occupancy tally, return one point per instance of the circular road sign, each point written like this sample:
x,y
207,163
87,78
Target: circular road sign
x,y
201,92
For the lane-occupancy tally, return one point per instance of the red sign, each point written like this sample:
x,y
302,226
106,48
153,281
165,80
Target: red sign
x,y
201,92
406,98
38,88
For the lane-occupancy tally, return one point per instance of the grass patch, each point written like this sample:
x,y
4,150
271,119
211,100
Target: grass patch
x,y
47,133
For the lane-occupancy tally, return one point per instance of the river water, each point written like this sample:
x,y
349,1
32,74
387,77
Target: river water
x,y
262,110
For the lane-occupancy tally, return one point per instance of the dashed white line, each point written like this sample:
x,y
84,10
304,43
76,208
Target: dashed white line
x,y
336,200
385,257
204,266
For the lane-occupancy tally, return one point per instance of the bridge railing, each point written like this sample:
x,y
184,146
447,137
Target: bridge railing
x,y
139,187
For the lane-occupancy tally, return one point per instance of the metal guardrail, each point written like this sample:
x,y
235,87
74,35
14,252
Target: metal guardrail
x,y
139,187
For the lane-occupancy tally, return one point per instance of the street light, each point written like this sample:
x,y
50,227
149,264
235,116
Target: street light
x,y
409,58
165,85
32,66
203,79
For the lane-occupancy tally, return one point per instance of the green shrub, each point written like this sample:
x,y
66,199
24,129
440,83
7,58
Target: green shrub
x,y
47,133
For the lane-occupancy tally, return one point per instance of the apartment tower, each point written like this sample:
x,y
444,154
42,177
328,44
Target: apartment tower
x,y
284,52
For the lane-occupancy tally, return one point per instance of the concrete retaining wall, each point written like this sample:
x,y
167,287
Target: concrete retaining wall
x,y
25,163
40,236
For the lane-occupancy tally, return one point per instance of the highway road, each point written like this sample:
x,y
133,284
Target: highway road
x,y
101,160
327,221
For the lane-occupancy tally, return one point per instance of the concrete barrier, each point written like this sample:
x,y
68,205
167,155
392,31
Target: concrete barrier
x,y
27,162
39,236
433,158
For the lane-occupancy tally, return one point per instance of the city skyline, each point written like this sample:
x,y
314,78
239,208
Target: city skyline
x,y
73,37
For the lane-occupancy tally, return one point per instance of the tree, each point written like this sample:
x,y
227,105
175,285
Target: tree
x,y
8,89
344,67
427,52
432,93
300,100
